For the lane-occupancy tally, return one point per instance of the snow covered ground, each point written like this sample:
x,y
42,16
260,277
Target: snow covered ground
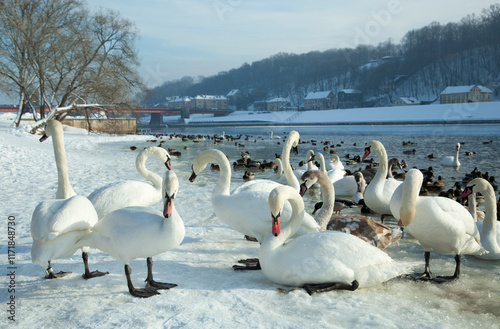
x,y
439,113
209,293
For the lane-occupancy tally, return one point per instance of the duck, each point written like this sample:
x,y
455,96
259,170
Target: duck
x,y
130,192
57,224
141,232
363,227
248,176
394,162
437,223
489,227
452,161
243,210
332,260
378,193
310,157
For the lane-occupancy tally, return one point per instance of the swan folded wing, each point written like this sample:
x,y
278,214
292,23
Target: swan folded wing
x,y
50,219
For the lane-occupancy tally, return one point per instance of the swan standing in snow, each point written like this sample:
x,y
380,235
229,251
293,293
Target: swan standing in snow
x,y
365,228
245,211
320,261
436,222
141,232
131,193
379,192
56,225
452,161
489,228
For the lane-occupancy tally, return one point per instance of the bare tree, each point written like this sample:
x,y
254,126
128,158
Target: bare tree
x,y
69,58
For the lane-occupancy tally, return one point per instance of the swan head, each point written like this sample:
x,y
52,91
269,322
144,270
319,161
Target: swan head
x,y
373,146
170,188
51,129
275,201
276,224
457,147
308,179
478,185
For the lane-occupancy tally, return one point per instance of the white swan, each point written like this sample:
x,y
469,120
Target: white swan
x,y
330,259
244,211
132,193
335,163
291,142
379,192
436,222
452,161
335,174
365,228
56,225
489,228
141,232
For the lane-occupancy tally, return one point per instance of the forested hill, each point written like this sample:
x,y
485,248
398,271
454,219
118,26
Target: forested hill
x,y
421,65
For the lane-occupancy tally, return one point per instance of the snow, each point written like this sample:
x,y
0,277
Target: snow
x,y
464,89
209,293
436,113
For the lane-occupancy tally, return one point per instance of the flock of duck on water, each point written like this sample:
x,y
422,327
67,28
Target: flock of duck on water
x,y
319,252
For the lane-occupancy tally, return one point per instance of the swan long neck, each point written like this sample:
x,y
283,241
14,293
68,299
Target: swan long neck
x,y
322,163
455,159
471,201
224,183
490,209
291,140
409,196
324,215
279,168
140,164
295,222
64,189
381,173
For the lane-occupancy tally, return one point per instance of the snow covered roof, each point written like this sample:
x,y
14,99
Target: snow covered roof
x,y
410,100
277,100
232,92
318,95
212,97
464,89
350,91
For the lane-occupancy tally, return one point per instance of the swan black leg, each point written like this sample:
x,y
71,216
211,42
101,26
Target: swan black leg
x,y
251,264
52,275
427,275
441,279
143,293
325,287
153,283
88,274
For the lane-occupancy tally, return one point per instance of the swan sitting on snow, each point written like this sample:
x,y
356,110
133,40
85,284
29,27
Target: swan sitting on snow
x,y
244,211
56,225
437,223
132,193
489,227
452,161
320,261
141,232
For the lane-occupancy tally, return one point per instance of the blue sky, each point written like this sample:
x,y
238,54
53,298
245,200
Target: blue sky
x,y
203,37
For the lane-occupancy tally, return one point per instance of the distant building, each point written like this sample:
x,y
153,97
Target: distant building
x,y
403,101
349,98
275,104
179,102
320,100
209,102
464,94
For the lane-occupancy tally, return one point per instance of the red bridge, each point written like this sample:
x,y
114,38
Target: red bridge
x,y
156,112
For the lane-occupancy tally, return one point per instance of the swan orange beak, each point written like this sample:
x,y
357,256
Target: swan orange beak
x,y
168,164
367,152
167,208
467,191
193,176
276,224
43,138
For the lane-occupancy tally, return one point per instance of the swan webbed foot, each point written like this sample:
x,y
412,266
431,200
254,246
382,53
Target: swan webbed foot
x,y
52,275
251,264
443,279
94,274
159,285
325,287
143,293
426,276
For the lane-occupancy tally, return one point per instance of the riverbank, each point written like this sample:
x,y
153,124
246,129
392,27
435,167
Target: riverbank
x,y
461,113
